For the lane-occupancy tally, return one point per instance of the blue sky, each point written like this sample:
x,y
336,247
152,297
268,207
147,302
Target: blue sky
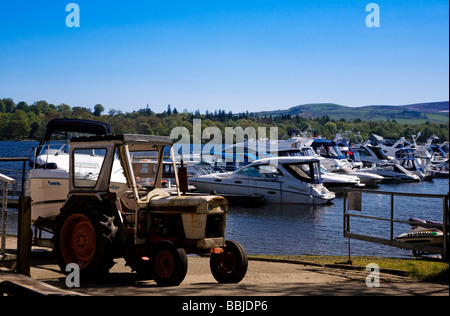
x,y
234,55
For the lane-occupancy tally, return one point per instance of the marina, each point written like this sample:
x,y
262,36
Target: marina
x,y
232,148
161,219
290,229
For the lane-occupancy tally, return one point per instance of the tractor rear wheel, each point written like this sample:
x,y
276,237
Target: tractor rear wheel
x,y
169,264
231,265
80,238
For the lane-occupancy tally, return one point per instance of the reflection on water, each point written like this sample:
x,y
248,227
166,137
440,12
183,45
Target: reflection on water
x,y
282,229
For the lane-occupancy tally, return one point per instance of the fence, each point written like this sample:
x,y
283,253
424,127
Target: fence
x,y
353,201
5,182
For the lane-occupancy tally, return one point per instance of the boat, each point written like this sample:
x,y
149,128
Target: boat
x,y
371,180
427,233
406,157
337,182
371,155
250,151
390,146
334,158
278,179
391,172
441,170
48,179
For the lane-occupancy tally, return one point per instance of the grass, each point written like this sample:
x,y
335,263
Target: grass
x,y
422,269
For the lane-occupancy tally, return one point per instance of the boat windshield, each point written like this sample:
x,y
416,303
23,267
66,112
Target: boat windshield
x,y
290,153
54,147
355,156
307,171
307,152
379,153
261,171
411,164
330,152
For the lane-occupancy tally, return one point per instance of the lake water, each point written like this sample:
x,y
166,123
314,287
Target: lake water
x,y
300,229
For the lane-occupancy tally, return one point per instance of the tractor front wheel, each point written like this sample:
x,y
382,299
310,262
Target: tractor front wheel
x,y
231,265
169,264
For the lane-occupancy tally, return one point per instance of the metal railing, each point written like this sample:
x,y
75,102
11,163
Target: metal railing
x,y
5,181
18,175
353,199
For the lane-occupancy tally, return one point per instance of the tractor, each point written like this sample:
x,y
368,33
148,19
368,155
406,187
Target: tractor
x,y
111,213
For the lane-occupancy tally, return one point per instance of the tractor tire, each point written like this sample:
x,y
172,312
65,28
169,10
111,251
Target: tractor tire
x,y
81,238
231,265
169,264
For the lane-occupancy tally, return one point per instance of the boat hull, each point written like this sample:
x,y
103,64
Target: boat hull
x,y
285,195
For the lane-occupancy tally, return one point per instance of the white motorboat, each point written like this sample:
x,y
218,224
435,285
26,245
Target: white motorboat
x,y
48,179
337,182
392,172
366,178
406,158
425,233
334,158
371,155
278,179
298,147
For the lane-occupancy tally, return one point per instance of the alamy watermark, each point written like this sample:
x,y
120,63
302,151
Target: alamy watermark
x,y
73,18
73,278
260,141
373,279
373,19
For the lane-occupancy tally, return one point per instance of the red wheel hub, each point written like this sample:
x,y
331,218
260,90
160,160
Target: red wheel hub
x,y
226,262
77,240
164,264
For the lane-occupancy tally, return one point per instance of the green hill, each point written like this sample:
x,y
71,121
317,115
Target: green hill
x,y
436,112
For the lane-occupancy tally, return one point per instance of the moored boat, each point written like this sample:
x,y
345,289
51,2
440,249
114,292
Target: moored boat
x,y
278,179
48,179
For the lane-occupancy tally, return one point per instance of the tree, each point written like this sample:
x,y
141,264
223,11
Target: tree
x,y
98,109
19,126
2,107
22,106
63,108
9,105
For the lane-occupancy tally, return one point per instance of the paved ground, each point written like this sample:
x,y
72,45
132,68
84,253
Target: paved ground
x,y
262,279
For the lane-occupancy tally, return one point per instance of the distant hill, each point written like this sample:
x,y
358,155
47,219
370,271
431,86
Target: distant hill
x,y
437,112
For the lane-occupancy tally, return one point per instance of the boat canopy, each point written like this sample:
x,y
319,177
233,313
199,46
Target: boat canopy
x,y
64,126
327,149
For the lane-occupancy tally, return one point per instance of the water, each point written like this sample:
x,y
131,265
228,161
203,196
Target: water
x,y
300,229
297,230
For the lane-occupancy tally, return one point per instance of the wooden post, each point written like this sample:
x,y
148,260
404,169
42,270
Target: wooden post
x,y
445,222
183,178
24,236
3,228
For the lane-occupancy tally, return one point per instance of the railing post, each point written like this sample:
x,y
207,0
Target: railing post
x,y
445,222
24,236
392,217
3,229
345,206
